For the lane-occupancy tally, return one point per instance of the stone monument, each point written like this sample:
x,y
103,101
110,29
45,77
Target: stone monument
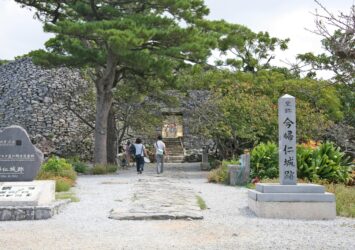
x,y
19,159
239,174
205,165
289,200
22,198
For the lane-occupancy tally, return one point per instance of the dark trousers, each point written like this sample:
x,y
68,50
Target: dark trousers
x,y
139,163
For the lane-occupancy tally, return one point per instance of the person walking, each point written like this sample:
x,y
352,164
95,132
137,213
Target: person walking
x,y
160,150
139,155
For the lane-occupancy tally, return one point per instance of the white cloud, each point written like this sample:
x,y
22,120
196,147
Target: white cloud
x,y
19,32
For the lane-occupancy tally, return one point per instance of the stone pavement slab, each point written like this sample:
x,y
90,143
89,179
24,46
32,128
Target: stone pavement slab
x,y
161,198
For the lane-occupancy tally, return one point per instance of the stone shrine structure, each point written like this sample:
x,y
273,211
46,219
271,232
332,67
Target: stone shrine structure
x,y
289,200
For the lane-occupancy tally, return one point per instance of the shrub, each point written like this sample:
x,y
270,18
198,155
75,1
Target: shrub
x,y
110,168
331,164
264,161
80,167
62,184
215,163
220,174
99,169
56,165
326,162
77,165
59,170
304,163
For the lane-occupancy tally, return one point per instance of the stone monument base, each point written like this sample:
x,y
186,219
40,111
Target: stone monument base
x,y
31,200
301,201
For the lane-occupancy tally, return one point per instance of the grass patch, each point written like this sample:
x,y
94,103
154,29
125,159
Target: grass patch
x,y
68,195
345,199
201,203
104,169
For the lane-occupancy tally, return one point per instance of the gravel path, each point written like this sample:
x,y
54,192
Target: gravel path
x,y
227,223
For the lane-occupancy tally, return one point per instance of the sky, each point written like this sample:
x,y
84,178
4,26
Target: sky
x,y
20,33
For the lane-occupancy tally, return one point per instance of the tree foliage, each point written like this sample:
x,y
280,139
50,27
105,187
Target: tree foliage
x,y
246,50
242,109
338,33
116,38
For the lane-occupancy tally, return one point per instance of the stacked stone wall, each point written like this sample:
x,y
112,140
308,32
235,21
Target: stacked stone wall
x,y
37,99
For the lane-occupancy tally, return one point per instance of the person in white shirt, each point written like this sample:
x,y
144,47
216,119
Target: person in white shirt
x,y
160,150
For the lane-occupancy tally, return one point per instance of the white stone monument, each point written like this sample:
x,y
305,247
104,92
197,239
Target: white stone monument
x,y
289,200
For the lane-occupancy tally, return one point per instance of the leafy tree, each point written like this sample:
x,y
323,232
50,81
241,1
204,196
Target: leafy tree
x,y
115,37
338,40
338,33
246,50
242,109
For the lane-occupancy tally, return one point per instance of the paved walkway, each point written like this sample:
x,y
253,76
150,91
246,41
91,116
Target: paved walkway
x,y
226,224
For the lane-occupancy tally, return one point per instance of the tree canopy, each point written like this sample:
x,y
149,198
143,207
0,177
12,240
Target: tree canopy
x,y
116,38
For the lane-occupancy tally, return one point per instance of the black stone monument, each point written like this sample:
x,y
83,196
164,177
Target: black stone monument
x,y
19,159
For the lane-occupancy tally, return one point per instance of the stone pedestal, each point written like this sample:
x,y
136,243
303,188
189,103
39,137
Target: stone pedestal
x,y
301,201
33,200
34,193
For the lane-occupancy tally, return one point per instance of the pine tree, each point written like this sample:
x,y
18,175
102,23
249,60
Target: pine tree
x,y
113,37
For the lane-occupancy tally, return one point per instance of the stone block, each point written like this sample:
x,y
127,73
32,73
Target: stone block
x,y
293,210
33,193
291,197
233,174
299,188
16,213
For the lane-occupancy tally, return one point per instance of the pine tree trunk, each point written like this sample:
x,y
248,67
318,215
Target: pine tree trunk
x,y
103,105
111,138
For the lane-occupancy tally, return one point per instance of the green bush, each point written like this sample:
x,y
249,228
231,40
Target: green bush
x,y
326,162
110,168
99,169
80,167
56,167
264,161
62,184
304,163
215,163
220,174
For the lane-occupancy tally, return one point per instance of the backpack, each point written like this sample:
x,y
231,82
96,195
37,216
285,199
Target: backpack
x,y
132,150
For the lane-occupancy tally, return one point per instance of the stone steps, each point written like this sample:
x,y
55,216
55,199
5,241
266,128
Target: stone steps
x,y
175,150
174,158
